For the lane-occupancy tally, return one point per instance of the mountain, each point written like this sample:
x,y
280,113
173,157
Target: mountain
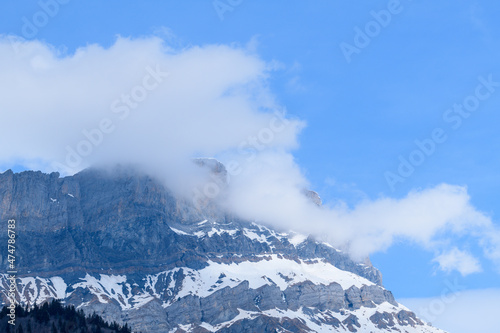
x,y
122,245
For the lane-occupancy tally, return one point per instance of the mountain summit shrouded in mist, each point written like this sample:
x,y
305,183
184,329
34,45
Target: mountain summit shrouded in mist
x,y
154,108
121,244
335,136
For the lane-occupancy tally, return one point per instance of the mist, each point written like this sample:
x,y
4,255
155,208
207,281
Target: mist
x,y
144,103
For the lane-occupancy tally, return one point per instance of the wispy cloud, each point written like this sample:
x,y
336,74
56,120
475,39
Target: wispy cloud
x,y
458,260
138,100
145,103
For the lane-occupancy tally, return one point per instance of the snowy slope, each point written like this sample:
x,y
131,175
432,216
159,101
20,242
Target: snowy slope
x,y
302,286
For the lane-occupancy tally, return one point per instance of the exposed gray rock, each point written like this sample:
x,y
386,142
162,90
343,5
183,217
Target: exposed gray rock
x,y
352,323
308,294
353,298
103,222
185,310
314,196
407,318
223,305
262,324
387,320
151,315
123,245
383,320
269,297
375,294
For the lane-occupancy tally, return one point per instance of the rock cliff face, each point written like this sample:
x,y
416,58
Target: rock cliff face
x,y
121,244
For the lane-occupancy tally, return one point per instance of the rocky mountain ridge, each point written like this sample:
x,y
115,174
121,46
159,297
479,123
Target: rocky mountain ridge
x,y
123,245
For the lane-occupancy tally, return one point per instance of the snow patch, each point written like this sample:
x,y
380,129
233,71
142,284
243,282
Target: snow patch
x,y
297,239
271,270
179,232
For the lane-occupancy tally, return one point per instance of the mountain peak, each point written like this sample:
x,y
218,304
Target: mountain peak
x,y
124,246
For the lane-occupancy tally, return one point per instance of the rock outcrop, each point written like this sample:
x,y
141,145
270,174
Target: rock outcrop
x,y
123,245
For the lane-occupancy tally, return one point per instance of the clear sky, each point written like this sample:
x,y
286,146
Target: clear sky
x,y
398,96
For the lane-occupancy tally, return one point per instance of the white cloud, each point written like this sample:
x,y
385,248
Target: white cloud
x,y
118,105
270,191
490,242
461,311
212,99
458,260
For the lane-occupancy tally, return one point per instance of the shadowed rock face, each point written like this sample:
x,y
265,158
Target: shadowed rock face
x,y
121,244
120,222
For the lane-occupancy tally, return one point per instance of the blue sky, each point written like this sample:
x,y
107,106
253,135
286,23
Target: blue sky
x,y
363,111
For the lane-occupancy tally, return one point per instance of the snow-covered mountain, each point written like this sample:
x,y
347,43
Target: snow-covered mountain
x,y
122,245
